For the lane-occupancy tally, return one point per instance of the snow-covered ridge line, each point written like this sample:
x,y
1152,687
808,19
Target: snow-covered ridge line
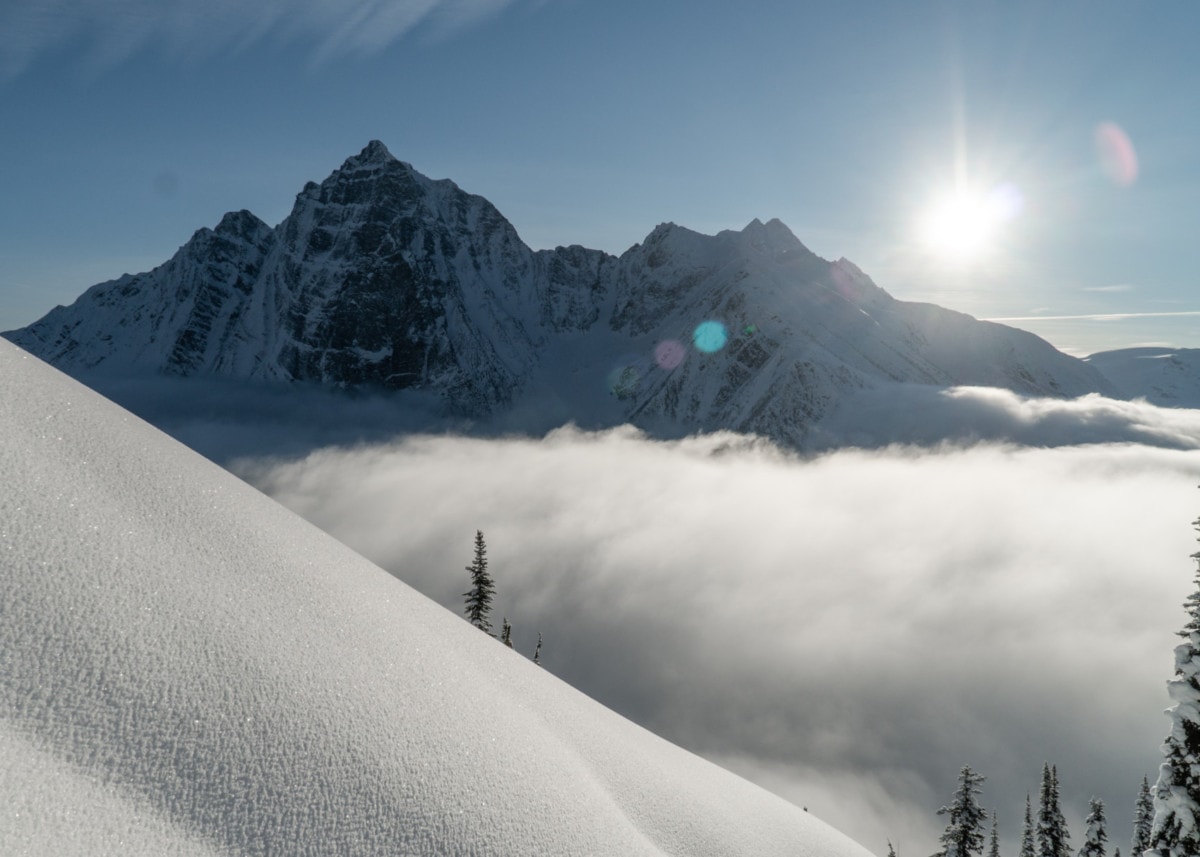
x,y
188,668
381,277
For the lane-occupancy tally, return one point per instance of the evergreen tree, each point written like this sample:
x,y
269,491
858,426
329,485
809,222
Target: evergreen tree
x,y
891,849
1053,839
537,652
963,836
1177,793
506,633
1143,820
1096,836
994,846
1027,849
479,597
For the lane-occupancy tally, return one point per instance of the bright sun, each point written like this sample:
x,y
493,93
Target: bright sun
x,y
964,226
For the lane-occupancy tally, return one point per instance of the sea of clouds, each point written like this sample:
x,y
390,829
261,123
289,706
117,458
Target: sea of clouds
x,y
848,630
108,33
846,627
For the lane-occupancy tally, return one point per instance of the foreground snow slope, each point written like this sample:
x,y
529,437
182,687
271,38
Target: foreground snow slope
x,y
188,668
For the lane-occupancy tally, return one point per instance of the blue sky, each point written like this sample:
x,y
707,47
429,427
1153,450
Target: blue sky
x,y
128,124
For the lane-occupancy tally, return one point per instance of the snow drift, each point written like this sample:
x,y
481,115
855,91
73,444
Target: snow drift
x,y
188,668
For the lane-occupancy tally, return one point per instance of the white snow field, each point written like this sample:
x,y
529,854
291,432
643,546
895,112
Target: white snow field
x,y
188,668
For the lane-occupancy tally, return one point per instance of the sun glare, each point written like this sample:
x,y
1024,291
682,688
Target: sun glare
x,y
963,226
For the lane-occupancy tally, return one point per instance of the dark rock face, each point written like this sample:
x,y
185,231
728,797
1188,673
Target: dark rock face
x,y
380,277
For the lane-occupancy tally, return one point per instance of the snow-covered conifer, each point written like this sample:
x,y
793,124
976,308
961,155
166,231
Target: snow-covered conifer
x,y
479,596
1175,832
891,849
1143,820
537,652
994,843
1053,838
1096,836
506,633
963,836
1027,849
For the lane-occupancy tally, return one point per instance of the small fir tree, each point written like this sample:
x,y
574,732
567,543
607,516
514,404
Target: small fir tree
x,y
891,849
506,633
1143,820
537,652
994,844
1177,793
963,836
1027,847
479,596
1096,836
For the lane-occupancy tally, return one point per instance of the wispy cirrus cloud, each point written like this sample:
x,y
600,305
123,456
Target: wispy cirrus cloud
x,y
110,32
1117,287
1096,316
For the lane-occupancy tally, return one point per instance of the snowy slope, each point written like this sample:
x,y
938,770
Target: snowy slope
x,y
382,277
187,668
1168,377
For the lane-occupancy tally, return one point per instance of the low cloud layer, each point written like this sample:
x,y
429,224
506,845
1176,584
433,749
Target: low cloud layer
x,y
912,414
847,630
111,32
226,419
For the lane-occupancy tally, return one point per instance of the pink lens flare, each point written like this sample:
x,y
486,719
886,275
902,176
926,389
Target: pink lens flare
x,y
669,353
1116,153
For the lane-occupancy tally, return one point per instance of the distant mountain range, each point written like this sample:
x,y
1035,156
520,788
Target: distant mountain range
x,y
1169,377
383,278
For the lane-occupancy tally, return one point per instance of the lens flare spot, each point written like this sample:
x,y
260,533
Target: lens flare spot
x,y
710,336
669,353
1117,157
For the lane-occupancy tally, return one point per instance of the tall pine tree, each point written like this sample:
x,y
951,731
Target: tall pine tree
x,y
479,596
963,836
1053,839
994,842
1143,820
1177,793
1096,836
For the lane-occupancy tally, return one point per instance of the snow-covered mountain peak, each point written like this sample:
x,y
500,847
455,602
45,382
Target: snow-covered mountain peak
x,y
772,236
241,224
383,277
375,152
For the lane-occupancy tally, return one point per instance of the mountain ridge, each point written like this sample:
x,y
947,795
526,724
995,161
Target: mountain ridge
x,y
380,277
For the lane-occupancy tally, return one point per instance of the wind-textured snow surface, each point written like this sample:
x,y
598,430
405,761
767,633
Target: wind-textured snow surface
x,y
188,668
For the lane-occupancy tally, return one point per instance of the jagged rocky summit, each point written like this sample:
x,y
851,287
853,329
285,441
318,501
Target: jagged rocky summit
x,y
383,278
